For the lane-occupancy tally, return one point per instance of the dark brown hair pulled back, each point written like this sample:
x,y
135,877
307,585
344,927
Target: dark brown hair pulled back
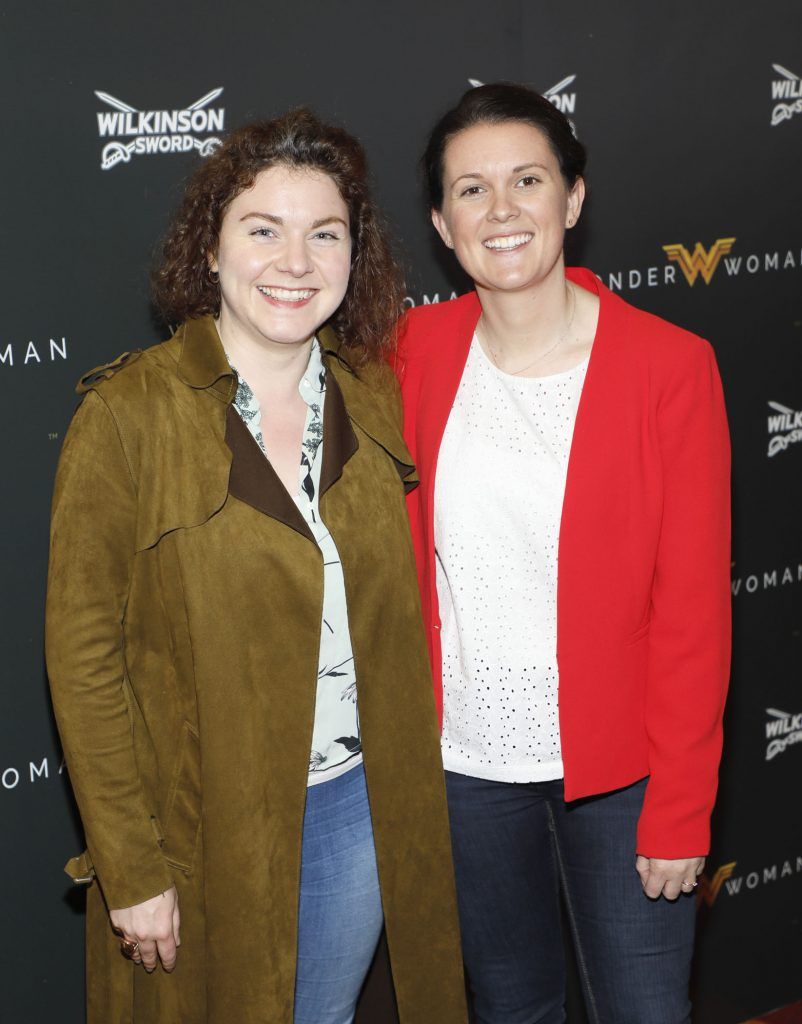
x,y
495,104
182,285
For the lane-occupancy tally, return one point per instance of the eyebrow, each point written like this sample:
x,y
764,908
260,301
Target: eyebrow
x,y
515,170
272,219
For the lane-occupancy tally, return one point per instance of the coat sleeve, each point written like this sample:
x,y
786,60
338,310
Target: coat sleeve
x,y
689,635
91,554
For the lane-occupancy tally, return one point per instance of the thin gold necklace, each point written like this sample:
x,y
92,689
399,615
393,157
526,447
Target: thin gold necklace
x,y
542,356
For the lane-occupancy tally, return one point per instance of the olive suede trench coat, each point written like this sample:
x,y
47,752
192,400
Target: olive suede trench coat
x,y
183,620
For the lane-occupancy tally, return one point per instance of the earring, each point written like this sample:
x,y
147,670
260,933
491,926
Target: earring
x,y
214,277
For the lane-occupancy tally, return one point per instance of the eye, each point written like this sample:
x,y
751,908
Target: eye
x,y
529,180
327,236
472,190
263,232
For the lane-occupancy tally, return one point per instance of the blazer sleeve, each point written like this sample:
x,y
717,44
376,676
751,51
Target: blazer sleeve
x,y
91,555
690,629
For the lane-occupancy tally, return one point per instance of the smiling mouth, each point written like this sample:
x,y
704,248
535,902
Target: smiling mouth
x,y
508,243
287,296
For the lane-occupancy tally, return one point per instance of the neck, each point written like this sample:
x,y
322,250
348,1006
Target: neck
x,y
521,325
266,366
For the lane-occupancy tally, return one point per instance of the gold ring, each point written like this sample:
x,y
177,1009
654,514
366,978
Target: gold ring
x,y
129,948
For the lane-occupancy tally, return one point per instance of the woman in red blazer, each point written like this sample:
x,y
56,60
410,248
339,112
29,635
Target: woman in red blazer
x,y
554,424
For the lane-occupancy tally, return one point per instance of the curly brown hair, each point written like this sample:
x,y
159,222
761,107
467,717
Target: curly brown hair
x,y
182,285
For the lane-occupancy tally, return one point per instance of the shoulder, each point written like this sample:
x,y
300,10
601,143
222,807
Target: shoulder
x,y
133,374
377,375
666,348
649,329
370,390
643,333
421,323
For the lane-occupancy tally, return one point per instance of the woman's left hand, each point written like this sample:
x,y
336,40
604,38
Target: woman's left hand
x,y
666,877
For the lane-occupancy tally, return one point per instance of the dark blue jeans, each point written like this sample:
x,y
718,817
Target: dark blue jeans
x,y
515,846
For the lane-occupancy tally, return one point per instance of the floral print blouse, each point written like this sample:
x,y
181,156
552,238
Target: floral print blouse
x,y
336,742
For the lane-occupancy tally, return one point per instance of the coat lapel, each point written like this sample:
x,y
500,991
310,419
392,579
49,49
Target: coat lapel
x,y
367,401
203,365
339,439
254,481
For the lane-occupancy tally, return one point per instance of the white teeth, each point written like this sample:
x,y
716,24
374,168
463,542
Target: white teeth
x,y
287,294
508,242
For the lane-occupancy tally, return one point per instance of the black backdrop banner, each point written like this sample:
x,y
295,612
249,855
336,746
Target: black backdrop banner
x,y
693,119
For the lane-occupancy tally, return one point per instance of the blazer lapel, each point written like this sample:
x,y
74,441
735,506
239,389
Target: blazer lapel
x,y
438,392
600,468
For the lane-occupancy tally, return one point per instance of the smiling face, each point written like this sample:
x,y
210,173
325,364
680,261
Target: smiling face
x,y
505,205
284,257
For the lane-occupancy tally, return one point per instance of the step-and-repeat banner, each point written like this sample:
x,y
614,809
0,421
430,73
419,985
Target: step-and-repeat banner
x,y
692,116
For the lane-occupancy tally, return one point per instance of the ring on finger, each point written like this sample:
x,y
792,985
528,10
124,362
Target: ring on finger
x,y
689,885
129,948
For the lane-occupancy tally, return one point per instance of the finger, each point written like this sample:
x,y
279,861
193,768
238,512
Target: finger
x,y
672,888
701,867
177,926
654,885
167,952
147,950
127,938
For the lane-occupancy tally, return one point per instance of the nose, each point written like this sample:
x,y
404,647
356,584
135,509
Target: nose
x,y
503,207
294,259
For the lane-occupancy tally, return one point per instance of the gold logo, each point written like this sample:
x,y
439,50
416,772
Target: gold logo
x,y
709,888
700,261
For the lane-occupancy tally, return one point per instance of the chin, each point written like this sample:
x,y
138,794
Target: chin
x,y
288,334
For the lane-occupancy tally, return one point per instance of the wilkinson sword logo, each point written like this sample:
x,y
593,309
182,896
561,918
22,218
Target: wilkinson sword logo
x,y
700,261
564,101
785,427
787,87
158,131
782,730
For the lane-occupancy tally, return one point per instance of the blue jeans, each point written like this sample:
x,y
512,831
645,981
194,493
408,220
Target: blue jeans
x,y
515,846
340,912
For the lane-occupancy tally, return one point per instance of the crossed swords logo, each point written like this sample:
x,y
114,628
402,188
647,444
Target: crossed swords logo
x,y
116,152
475,82
785,111
549,94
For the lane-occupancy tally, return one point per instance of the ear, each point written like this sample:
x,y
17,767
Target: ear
x,y
441,227
211,259
576,197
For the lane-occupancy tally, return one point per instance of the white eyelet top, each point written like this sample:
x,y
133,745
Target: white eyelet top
x,y
498,501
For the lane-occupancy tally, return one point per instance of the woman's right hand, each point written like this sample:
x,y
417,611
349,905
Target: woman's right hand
x,y
154,925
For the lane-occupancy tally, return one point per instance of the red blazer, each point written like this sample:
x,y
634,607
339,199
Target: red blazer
x,y
643,595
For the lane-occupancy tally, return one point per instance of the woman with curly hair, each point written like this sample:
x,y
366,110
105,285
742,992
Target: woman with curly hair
x,y
234,638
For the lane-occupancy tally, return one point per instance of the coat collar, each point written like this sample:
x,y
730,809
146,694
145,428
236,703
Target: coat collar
x,y
369,396
253,479
349,399
202,361
203,365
